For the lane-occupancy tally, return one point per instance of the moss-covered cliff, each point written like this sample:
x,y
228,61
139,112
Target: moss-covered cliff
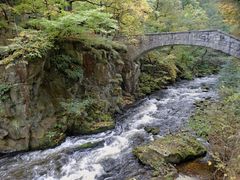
x,y
72,89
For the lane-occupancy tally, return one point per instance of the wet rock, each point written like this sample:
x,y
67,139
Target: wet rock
x,y
205,88
162,153
198,103
90,145
84,146
152,130
93,127
208,98
152,158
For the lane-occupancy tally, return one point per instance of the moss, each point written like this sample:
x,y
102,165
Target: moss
x,y
218,123
88,116
149,157
152,130
89,145
93,127
4,91
171,149
50,139
149,83
156,72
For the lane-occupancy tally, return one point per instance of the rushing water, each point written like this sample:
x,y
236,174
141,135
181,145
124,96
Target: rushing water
x,y
111,159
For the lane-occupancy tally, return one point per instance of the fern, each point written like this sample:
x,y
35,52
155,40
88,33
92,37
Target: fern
x,y
68,66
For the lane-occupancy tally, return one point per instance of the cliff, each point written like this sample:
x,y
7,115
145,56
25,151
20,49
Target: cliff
x,y
74,89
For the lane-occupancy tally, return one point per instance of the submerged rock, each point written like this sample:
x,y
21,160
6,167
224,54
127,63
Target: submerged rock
x,y
162,153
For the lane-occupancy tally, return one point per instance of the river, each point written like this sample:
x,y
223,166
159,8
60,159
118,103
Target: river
x,y
111,158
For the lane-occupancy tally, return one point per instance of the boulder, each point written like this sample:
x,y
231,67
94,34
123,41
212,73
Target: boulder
x,y
152,130
163,153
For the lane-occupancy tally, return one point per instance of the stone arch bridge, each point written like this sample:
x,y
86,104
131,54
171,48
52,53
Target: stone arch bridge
x,y
142,44
214,39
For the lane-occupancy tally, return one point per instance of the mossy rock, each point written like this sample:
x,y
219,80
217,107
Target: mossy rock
x,y
90,145
93,127
172,149
152,130
50,139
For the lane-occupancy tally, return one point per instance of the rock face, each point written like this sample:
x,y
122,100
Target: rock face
x,y
162,153
40,102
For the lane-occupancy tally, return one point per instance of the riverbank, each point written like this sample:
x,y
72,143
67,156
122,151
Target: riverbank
x,y
219,123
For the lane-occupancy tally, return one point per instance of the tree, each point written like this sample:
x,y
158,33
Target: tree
x,y
74,25
165,16
41,8
176,15
230,10
215,18
195,17
129,14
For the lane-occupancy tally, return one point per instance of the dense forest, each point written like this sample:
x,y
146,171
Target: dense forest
x,y
64,72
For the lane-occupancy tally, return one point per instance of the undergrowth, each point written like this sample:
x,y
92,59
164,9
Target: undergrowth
x,y
219,123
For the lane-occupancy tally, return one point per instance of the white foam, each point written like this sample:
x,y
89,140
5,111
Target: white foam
x,y
185,177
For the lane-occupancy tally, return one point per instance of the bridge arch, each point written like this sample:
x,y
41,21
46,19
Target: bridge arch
x,y
213,39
